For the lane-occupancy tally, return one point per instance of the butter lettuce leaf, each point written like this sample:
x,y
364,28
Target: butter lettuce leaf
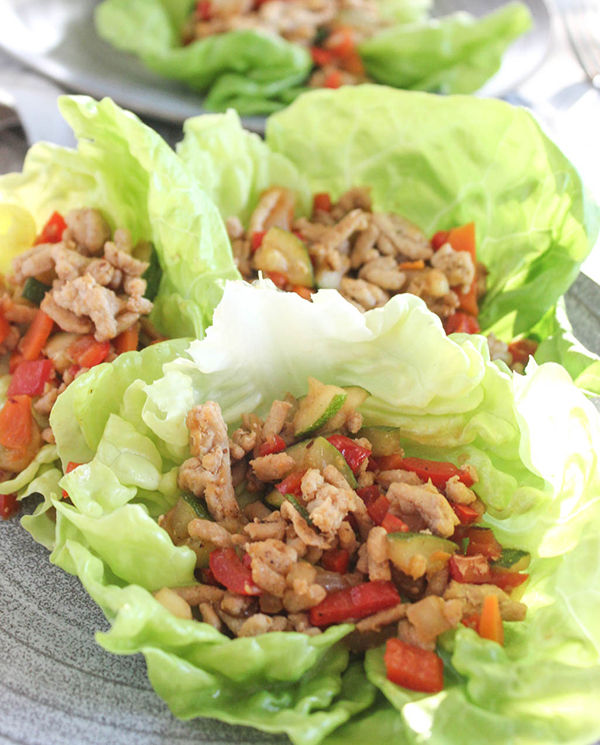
x,y
127,171
257,72
534,439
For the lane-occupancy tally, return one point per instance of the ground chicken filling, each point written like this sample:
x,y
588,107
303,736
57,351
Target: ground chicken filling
x,y
331,29
369,257
77,298
309,519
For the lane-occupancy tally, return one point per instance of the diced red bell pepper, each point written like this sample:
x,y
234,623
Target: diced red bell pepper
x,y
439,239
354,603
507,580
204,10
369,494
471,622
70,467
333,80
438,471
16,423
272,445
413,668
522,350
208,578
393,524
256,240
390,462
291,484
36,336
353,453
353,63
278,279
336,560
352,522
482,542
465,514
461,323
378,509
322,201
53,230
15,360
30,377
473,570
229,571
4,327
321,57
88,352
9,505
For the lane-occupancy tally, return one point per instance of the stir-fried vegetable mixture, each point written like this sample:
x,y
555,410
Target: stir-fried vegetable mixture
x,y
310,519
330,29
77,298
369,257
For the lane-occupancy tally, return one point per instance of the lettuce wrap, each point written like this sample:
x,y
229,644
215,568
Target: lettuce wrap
x,y
257,72
124,169
534,440
440,162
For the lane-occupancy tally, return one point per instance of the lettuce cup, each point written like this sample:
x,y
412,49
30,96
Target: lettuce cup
x,y
258,56
373,191
174,522
102,254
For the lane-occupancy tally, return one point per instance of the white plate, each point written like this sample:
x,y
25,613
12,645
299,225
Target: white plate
x,y
58,39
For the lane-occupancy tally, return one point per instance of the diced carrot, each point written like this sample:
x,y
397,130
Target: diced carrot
x,y
463,239
393,524
341,41
204,10
4,327
127,341
353,63
256,240
411,265
36,336
490,623
303,291
70,467
15,360
16,423
461,323
472,621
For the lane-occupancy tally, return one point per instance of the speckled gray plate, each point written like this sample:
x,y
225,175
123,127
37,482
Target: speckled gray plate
x,y
57,687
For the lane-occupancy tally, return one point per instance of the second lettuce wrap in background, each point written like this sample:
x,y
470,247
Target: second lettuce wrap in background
x,y
440,162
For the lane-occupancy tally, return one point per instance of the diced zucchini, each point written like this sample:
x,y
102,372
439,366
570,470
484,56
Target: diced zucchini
x,y
282,251
403,547
321,403
202,551
244,497
319,453
276,499
153,274
513,559
384,440
354,398
34,290
197,505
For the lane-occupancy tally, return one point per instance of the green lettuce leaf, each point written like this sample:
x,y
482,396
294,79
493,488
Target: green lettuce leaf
x,y
455,54
123,168
533,438
257,72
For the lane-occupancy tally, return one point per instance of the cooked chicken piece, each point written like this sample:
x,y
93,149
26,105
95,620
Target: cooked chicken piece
x,y
364,295
457,492
271,562
306,534
378,555
209,532
68,264
406,238
272,467
397,476
259,623
236,605
32,263
427,502
457,266
88,229
207,474
303,592
383,272
83,296
210,616
378,620
276,417
474,595
364,247
275,208
196,594
261,531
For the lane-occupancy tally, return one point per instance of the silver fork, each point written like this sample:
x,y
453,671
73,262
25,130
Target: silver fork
x,y
582,21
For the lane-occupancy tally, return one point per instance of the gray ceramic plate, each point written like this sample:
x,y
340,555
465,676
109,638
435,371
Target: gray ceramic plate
x,y
57,38
57,687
